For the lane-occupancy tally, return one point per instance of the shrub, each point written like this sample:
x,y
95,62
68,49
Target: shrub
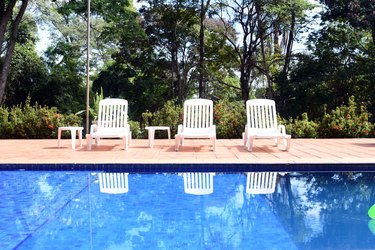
x,y
230,119
169,115
346,121
372,131
135,128
33,122
301,128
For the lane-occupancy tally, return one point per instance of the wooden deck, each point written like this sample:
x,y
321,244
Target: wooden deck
x,y
302,151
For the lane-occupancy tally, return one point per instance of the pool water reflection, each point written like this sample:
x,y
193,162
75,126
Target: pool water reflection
x,y
66,210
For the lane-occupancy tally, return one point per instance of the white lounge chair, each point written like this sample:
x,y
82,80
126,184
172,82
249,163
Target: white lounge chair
x,y
113,183
112,122
199,183
262,123
261,182
198,122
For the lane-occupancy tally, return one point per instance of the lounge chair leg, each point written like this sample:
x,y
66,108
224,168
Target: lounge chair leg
x,y
123,139
130,138
287,139
126,143
88,141
177,142
213,143
250,142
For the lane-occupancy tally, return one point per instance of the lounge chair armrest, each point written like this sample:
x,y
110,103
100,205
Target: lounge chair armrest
x,y
282,129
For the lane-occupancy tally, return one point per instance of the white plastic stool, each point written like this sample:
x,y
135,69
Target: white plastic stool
x,y
73,133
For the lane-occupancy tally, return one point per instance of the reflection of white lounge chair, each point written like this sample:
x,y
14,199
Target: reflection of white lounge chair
x,y
112,122
262,123
198,122
261,182
198,183
113,183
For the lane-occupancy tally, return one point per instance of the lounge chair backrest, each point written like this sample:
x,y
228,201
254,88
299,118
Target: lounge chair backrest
x,y
261,182
261,116
112,115
199,183
113,183
198,114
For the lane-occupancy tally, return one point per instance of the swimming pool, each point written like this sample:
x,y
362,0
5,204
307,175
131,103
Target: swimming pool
x,y
67,210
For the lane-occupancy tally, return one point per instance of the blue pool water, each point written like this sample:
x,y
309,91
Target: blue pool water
x,y
66,210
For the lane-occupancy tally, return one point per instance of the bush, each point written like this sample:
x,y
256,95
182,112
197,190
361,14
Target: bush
x,y
169,115
301,128
372,131
346,121
230,119
33,122
135,128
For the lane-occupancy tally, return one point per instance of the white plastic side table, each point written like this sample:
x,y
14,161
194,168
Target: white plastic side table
x,y
151,134
73,133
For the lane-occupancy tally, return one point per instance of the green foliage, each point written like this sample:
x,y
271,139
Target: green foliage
x,y
94,108
346,121
339,64
33,122
372,131
143,91
301,128
169,115
146,118
357,13
230,118
135,128
27,74
28,30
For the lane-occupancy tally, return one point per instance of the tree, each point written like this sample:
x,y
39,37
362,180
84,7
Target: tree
x,y
201,64
170,28
27,70
253,29
290,20
339,65
132,68
10,19
220,63
64,88
27,76
359,13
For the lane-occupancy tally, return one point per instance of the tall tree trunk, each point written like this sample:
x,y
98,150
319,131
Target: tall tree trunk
x,y
5,66
276,28
177,75
201,67
262,37
244,81
5,15
288,55
288,52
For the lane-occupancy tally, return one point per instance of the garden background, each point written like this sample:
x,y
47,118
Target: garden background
x,y
160,53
